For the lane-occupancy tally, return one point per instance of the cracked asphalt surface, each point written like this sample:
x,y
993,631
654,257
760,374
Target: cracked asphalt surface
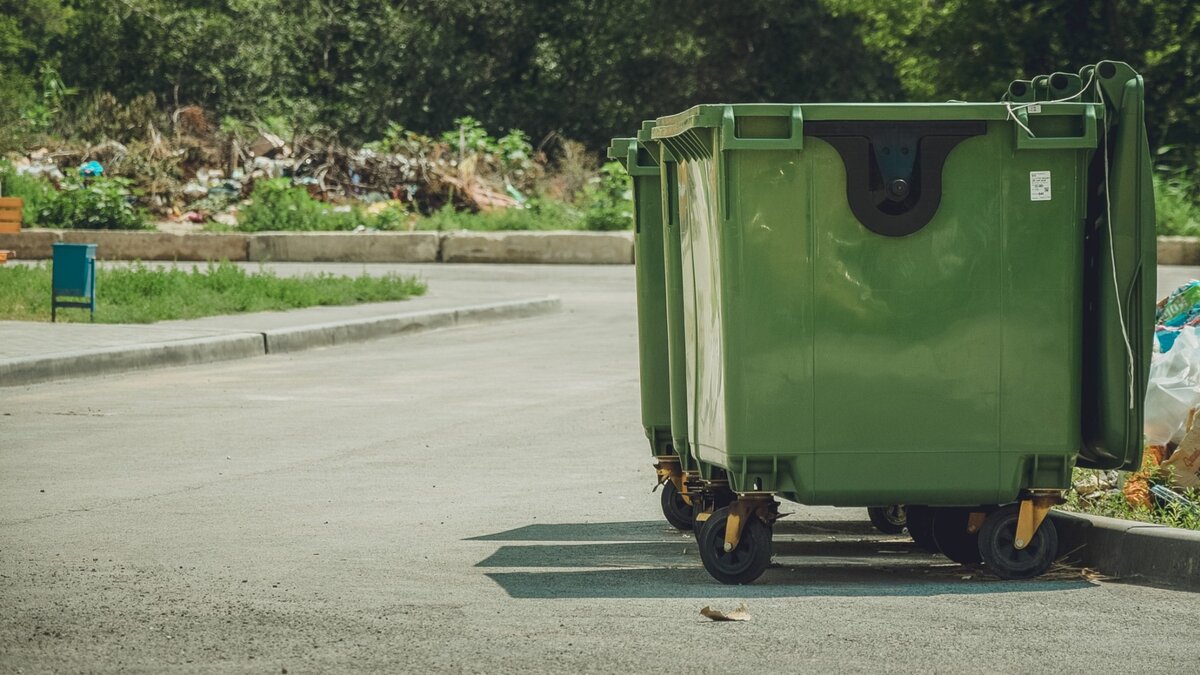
x,y
469,500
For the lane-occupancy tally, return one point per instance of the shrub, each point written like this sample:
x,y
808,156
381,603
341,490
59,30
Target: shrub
x,y
1175,204
36,192
608,201
276,205
539,215
92,204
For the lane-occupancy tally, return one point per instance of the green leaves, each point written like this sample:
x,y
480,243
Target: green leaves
x,y
92,204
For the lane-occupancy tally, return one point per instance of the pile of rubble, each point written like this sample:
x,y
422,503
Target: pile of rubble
x,y
196,174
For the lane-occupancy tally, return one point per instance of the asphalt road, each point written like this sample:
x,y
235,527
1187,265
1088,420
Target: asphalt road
x,y
472,500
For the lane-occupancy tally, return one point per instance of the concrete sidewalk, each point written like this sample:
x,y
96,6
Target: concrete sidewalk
x,y
36,352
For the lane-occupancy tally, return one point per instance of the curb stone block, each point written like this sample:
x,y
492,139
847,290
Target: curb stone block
x,y
1179,250
120,245
134,357
1131,551
614,248
30,244
331,334
364,247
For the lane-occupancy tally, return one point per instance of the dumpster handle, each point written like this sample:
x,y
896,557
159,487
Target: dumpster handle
x,y
1027,141
795,141
635,169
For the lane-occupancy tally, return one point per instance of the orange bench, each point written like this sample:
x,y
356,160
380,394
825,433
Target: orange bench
x,y
10,220
10,214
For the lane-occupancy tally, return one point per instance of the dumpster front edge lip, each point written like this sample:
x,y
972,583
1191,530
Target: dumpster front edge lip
x,y
711,115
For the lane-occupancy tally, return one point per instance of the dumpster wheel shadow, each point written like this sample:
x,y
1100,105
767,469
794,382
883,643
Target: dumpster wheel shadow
x,y
648,559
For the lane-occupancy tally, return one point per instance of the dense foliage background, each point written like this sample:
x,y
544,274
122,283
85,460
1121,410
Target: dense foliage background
x,y
352,72
588,69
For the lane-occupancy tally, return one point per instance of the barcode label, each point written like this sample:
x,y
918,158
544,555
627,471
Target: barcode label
x,y
1039,186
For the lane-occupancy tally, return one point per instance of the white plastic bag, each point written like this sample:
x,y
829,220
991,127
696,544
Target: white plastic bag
x,y
1174,389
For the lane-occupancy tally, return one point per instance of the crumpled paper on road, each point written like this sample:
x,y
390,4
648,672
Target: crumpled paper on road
x,y
739,614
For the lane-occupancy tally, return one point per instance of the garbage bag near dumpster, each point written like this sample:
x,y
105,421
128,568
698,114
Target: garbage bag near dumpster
x,y
943,305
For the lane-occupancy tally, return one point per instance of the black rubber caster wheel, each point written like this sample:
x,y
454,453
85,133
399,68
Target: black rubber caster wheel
x,y
888,519
997,547
920,527
951,536
743,564
677,511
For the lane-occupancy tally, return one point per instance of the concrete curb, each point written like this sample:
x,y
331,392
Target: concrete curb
x,y
413,247
16,372
330,334
1130,551
551,247
1179,250
586,248
240,345
117,245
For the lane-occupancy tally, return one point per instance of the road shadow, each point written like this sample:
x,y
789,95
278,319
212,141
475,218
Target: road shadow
x,y
652,560
651,530
782,582
684,552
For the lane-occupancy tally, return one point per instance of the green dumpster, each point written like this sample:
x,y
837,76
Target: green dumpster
x,y
707,486
685,497
652,327
943,305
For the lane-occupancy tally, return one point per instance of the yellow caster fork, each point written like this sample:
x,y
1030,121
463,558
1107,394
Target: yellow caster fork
x,y
1033,512
670,470
763,507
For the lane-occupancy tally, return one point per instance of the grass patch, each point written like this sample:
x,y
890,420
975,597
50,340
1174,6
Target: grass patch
x,y
1176,205
140,294
540,216
1113,505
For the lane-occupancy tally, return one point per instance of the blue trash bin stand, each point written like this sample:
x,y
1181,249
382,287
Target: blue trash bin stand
x,y
74,276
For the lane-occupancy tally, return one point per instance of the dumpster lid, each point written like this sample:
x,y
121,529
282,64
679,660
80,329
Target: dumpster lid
x,y
714,115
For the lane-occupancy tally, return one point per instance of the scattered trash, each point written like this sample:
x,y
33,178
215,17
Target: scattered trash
x,y
1179,309
268,145
1174,388
1098,483
91,169
1063,572
191,171
1166,495
739,614
1184,463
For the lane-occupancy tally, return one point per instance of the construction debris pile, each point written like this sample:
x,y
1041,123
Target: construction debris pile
x,y
194,172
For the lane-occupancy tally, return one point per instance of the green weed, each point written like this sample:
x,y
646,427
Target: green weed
x,y
141,294
92,204
1113,505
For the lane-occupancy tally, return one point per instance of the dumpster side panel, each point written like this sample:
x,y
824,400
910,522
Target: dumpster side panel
x,y
676,331
700,232
768,320
651,308
908,332
1042,314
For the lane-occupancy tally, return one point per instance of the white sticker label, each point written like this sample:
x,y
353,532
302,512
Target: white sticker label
x,y
1039,186
1036,108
